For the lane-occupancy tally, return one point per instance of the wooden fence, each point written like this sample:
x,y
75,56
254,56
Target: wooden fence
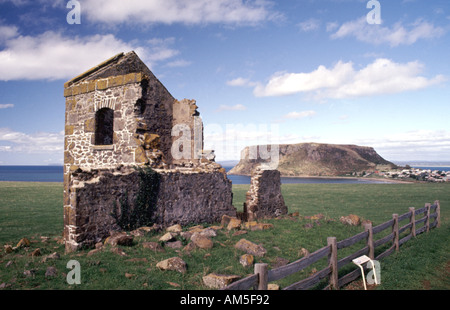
x,y
262,276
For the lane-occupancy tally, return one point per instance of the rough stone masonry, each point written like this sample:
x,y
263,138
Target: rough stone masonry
x,y
119,116
264,198
133,154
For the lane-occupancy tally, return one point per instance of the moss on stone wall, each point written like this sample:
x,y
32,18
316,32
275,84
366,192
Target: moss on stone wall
x,y
141,211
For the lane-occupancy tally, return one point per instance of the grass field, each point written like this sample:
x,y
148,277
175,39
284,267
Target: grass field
x,y
33,210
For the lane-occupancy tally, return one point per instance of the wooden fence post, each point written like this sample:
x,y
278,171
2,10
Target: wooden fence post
x,y
438,211
262,271
395,231
427,214
413,221
368,228
332,260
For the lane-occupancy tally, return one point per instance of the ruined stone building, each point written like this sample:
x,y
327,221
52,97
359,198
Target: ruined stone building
x,y
133,154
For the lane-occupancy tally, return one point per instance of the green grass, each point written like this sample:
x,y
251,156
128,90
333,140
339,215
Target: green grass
x,y
33,210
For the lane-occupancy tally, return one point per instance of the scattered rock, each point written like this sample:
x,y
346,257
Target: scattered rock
x,y
154,246
208,232
187,234
146,230
250,248
129,275
35,253
174,228
246,260
174,244
234,223
51,272
315,217
174,263
351,219
24,242
225,220
219,281
52,256
168,236
189,247
201,241
8,249
121,238
273,287
253,226
44,239
197,228
137,233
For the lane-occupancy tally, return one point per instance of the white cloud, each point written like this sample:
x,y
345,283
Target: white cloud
x,y
37,143
240,82
6,105
237,107
7,32
309,25
396,35
413,145
332,26
299,115
52,55
233,12
383,76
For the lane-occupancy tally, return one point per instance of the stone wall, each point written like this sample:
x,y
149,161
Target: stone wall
x,y
132,115
184,197
264,198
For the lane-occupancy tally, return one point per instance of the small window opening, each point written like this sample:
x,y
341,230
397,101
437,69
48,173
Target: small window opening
x,y
104,126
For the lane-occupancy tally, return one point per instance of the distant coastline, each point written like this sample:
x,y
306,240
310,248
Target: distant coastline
x,y
54,173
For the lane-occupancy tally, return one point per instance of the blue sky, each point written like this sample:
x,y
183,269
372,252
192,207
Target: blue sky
x,y
261,71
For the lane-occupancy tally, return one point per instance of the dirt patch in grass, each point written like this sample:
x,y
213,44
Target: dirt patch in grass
x,y
444,275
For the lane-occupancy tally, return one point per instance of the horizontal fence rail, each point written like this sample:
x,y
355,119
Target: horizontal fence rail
x,y
262,275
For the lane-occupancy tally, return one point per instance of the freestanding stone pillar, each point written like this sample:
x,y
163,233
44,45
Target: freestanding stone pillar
x,y
264,198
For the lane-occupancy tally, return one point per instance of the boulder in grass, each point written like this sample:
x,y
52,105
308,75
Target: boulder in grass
x,y
121,238
351,219
250,248
173,263
218,281
201,241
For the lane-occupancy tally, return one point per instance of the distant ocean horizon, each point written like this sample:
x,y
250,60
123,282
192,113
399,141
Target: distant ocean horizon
x,y
55,174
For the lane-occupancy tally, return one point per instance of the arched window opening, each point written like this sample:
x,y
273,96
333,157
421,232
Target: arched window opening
x,y
104,126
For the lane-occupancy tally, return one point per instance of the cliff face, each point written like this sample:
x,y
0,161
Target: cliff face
x,y
315,159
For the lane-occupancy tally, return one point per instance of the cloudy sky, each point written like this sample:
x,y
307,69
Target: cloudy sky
x,y
261,71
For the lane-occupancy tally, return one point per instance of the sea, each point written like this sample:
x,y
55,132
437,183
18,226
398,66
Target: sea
x,y
55,174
